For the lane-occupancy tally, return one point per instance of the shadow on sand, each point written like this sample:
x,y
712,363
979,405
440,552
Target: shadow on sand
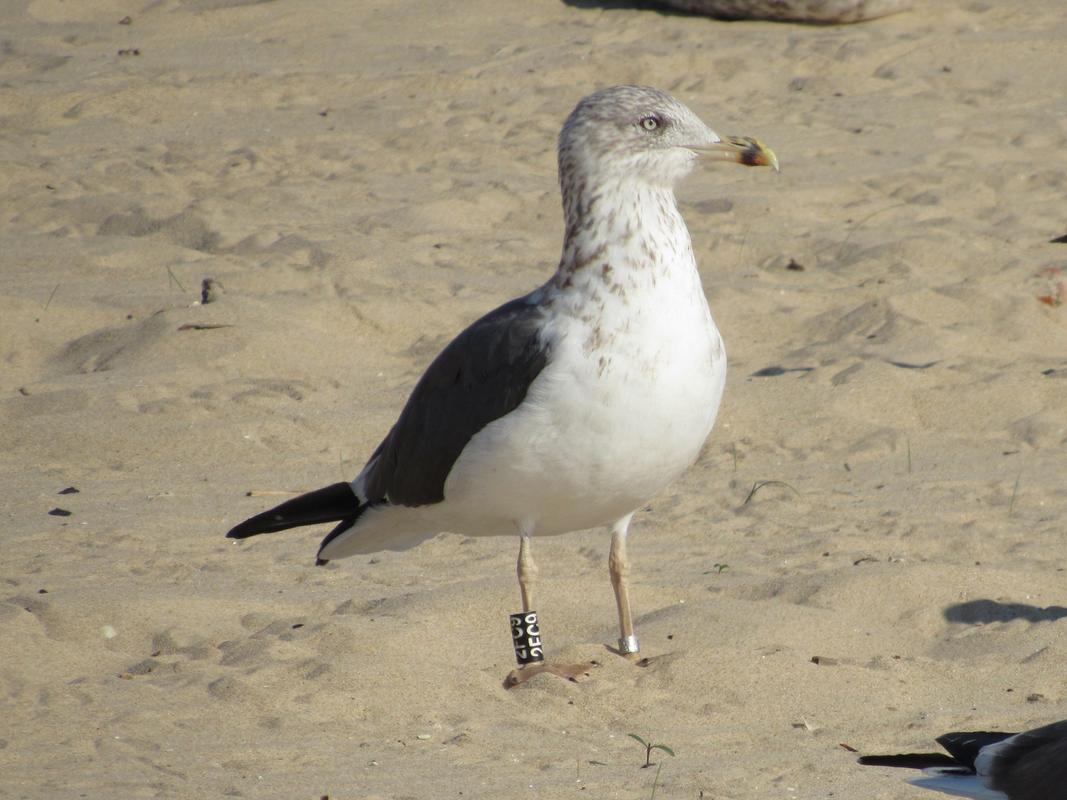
x,y
975,612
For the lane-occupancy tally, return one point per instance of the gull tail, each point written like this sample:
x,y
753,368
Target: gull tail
x,y
957,785
334,503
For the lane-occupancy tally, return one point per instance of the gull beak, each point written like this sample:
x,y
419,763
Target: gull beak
x,y
740,149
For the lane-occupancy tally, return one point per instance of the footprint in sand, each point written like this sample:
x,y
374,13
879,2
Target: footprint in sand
x,y
185,229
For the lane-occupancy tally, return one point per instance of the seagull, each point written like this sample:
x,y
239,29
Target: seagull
x,y
570,407
992,766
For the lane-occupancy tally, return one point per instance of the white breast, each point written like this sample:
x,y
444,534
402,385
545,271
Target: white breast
x,y
636,373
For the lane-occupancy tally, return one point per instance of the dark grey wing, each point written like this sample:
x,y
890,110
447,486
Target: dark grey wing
x,y
483,374
1032,765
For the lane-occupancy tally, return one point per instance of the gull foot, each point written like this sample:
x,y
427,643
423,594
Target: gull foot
x,y
571,672
636,659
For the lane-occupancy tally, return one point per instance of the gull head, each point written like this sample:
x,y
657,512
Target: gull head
x,y
637,133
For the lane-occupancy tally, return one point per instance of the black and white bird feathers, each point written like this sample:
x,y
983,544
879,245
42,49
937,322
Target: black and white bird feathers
x,y
570,407
983,765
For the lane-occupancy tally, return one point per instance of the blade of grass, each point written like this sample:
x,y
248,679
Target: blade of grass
x,y
46,305
174,278
760,484
1014,492
655,783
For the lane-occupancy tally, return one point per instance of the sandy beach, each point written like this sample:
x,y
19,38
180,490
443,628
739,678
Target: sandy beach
x,y
869,552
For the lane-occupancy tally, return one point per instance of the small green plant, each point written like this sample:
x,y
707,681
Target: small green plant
x,y
649,747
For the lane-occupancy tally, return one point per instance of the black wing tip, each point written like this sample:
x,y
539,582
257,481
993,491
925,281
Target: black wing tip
x,y
250,527
328,504
268,522
966,745
963,748
909,760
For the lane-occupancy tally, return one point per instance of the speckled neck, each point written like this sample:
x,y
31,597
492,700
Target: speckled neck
x,y
624,225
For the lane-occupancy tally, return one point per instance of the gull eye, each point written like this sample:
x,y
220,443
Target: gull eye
x,y
650,123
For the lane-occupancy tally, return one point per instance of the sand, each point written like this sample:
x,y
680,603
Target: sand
x,y
362,180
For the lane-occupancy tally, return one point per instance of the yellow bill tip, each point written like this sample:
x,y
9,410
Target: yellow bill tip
x,y
754,153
